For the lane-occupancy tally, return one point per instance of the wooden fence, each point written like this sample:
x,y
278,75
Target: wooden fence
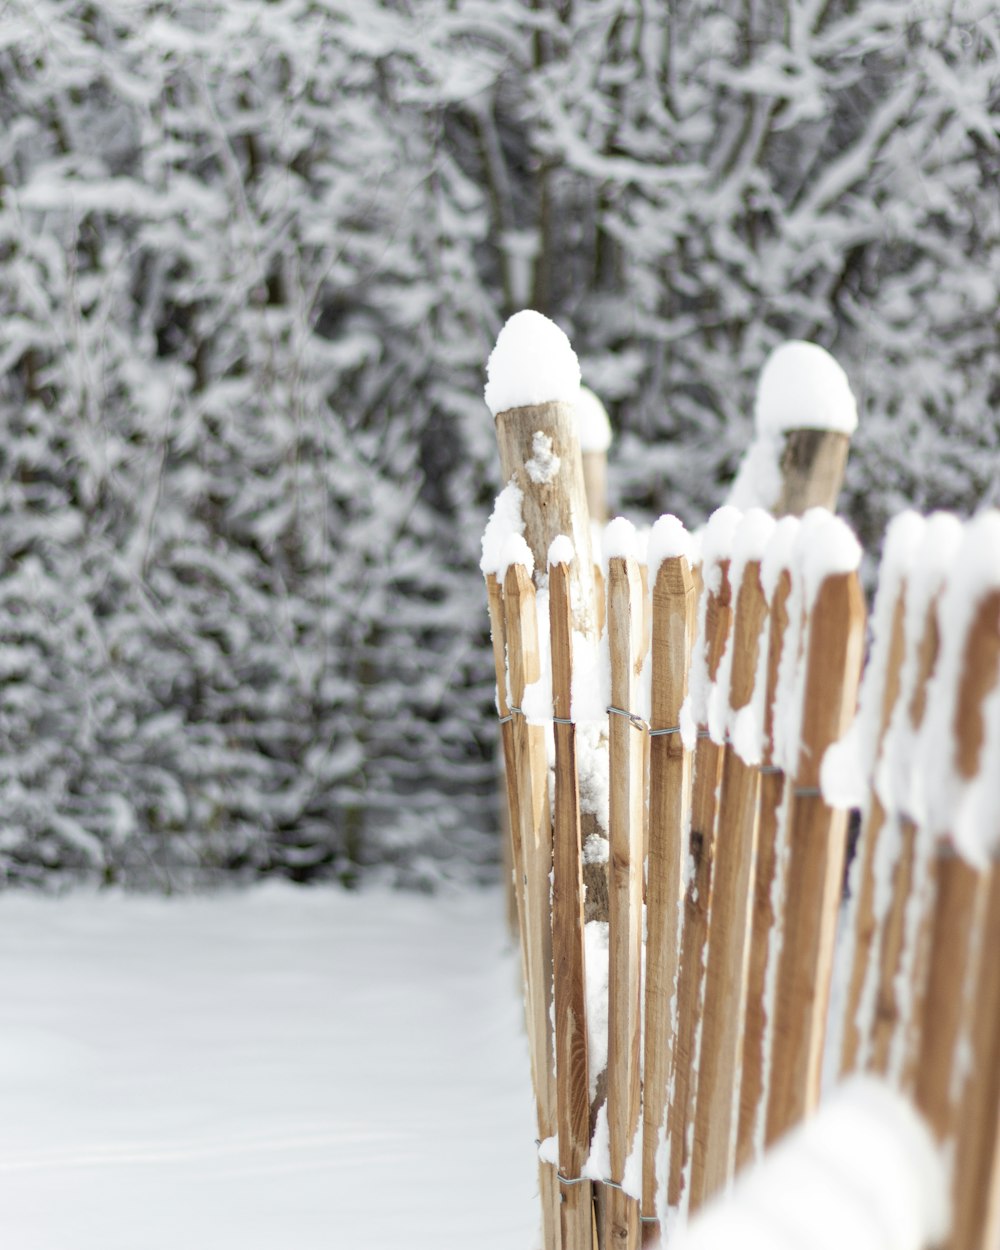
x,y
671,817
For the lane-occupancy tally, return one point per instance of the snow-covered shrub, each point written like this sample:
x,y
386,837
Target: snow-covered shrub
x,y
252,259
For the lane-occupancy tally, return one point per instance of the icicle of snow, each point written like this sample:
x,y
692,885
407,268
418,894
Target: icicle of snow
x,y
532,363
505,520
864,1172
598,1165
593,423
595,939
632,1177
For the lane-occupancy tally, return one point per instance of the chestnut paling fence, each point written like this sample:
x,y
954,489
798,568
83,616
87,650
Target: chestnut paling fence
x,y
722,879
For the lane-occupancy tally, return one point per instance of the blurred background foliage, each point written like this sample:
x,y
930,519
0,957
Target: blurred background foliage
x,y
253,256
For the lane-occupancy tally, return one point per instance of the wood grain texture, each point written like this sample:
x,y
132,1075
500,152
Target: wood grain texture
x,y
558,504
625,895
976,1196
669,799
696,907
865,938
816,853
750,1132
532,774
812,471
728,948
572,1083
512,825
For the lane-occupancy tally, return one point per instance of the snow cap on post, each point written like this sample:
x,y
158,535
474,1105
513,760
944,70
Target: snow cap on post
x,y
805,414
532,387
532,363
801,387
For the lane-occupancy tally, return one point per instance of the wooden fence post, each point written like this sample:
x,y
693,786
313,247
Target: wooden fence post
x,y
750,1137
727,968
625,896
813,463
817,838
865,928
697,903
572,1079
963,893
532,784
540,452
673,605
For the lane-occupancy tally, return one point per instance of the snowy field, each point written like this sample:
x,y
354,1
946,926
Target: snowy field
x,y
280,1069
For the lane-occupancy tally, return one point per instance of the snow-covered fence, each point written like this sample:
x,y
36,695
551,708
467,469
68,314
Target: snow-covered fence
x,y
593,666
921,974
678,857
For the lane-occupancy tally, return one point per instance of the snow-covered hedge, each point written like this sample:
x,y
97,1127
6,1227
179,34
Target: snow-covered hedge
x,y
252,259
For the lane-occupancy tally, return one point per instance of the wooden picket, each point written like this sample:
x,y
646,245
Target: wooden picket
x,y
726,877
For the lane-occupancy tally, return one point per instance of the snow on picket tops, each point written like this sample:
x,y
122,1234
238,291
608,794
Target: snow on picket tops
x,y
620,541
824,547
716,546
592,422
668,539
515,550
561,550
747,726
505,520
749,544
964,808
802,387
863,1171
532,363
897,781
849,765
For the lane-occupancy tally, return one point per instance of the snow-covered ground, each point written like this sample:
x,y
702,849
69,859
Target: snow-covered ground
x,y
282,1069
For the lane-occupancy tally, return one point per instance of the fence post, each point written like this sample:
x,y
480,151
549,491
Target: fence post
x,y
865,928
697,897
625,895
572,1075
813,463
816,850
750,1136
726,968
532,784
673,605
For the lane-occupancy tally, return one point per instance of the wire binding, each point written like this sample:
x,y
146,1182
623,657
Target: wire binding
x,y
658,733
633,718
